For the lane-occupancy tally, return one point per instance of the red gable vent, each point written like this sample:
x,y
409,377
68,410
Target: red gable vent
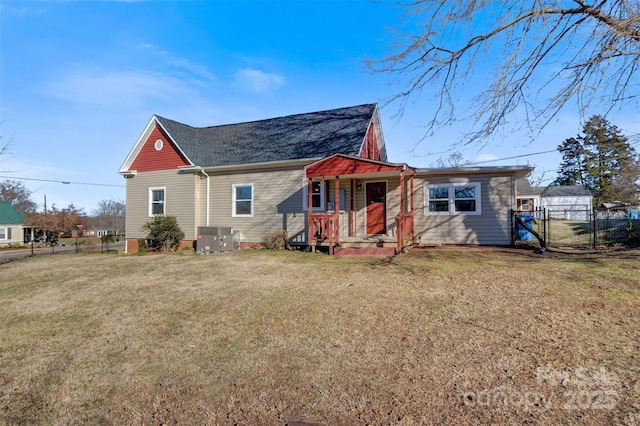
x,y
158,153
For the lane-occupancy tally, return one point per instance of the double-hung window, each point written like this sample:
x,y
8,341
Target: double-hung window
x,y
449,199
3,233
242,200
157,201
317,195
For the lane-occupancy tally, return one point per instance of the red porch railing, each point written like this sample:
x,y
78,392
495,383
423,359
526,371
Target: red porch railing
x,y
323,226
404,230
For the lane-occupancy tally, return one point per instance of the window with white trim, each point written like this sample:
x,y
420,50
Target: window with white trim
x,y
448,199
3,233
317,194
242,195
157,201
343,198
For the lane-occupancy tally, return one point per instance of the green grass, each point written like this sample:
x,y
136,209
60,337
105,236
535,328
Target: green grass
x,y
258,337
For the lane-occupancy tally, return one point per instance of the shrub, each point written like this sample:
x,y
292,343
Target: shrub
x,y
165,231
276,240
186,250
106,239
142,246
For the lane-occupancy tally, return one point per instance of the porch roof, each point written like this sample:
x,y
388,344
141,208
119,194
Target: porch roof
x,y
354,167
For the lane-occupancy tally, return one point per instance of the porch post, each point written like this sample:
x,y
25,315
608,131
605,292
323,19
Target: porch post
x,y
310,230
412,229
336,214
411,193
352,212
400,217
402,191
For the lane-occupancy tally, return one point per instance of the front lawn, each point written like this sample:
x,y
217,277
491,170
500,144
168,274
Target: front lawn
x,y
438,337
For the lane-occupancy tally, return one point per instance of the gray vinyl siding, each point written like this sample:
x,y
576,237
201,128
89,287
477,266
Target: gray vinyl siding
x,y
200,201
491,227
179,200
277,203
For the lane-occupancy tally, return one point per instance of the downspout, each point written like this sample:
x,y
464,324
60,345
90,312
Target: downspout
x,y
208,193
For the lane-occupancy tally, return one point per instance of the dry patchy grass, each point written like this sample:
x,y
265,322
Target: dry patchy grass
x,y
437,337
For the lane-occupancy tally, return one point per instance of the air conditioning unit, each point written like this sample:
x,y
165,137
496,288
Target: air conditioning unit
x,y
214,239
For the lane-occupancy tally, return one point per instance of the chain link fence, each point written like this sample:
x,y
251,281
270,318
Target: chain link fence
x,y
617,227
104,244
576,228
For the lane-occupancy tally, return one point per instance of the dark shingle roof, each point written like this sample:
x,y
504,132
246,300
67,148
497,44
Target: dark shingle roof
x,y
294,137
565,191
523,187
9,216
561,191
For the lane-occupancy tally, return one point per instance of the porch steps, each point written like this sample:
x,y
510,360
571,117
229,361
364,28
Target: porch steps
x,y
364,251
371,243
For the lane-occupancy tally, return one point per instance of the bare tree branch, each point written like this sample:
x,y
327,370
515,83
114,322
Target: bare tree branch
x,y
544,54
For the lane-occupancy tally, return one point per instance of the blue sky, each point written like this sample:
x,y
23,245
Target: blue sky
x,y
79,81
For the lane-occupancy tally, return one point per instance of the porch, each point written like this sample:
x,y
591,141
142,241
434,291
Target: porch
x,y
358,203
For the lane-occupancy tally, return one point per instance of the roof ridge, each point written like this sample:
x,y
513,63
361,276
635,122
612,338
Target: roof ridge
x,y
292,137
374,105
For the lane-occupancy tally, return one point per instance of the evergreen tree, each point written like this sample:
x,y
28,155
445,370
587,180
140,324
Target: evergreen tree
x,y
602,159
573,167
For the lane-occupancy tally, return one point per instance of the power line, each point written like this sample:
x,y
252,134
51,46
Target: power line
x,y
66,182
516,156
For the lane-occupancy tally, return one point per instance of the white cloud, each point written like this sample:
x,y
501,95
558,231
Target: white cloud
x,y
257,81
105,87
22,10
188,68
484,158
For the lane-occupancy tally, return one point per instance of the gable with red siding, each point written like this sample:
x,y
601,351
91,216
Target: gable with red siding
x,y
370,149
150,158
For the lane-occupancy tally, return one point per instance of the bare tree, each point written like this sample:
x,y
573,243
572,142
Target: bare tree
x,y
5,149
55,222
18,195
544,55
455,159
111,215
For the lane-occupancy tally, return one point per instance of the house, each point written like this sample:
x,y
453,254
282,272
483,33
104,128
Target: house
x,y
561,202
79,231
11,225
324,177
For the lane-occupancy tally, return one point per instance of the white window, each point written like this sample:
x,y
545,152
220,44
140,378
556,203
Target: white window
x,y
242,195
157,201
317,195
343,197
3,234
453,198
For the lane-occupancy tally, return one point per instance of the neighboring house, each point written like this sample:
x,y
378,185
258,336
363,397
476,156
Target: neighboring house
x,y
91,232
618,210
561,202
11,225
263,176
